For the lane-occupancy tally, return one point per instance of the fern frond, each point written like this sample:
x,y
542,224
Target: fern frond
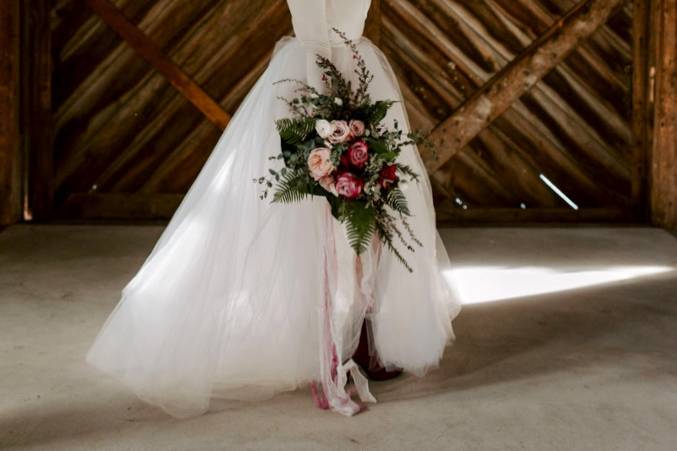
x,y
360,222
386,236
378,111
295,130
291,188
406,170
410,231
398,201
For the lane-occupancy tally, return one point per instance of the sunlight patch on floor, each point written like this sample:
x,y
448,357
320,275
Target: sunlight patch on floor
x,y
477,284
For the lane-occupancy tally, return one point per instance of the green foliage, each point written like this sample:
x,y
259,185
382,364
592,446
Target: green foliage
x,y
377,111
295,130
376,210
385,231
292,187
377,146
405,170
339,86
364,76
360,222
396,200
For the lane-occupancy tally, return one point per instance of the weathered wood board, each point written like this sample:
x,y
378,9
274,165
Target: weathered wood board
x,y
122,130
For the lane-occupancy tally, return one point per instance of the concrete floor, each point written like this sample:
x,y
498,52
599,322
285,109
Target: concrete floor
x,y
582,357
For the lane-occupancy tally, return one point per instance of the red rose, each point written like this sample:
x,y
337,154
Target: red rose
x,y
388,176
349,185
345,159
357,154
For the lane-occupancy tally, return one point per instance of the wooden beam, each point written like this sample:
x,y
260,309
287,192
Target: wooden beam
x,y
449,215
522,122
664,153
36,108
119,206
640,102
517,78
10,149
153,54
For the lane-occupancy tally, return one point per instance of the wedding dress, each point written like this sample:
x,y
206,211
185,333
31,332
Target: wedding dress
x,y
242,298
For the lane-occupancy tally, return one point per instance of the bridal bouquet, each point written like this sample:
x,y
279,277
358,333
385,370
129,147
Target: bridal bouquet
x,y
335,145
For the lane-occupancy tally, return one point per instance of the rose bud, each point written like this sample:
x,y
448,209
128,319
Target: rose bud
x,y
349,185
388,176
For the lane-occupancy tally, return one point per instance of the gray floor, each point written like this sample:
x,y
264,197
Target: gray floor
x,y
582,356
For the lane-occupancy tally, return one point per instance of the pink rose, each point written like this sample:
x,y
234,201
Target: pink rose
x,y
356,128
357,154
388,176
329,184
349,186
341,132
319,163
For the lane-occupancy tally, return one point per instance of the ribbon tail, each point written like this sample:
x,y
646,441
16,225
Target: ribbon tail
x,y
360,381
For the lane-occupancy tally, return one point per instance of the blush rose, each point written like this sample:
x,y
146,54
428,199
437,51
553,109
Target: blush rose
x,y
329,184
356,128
341,132
319,163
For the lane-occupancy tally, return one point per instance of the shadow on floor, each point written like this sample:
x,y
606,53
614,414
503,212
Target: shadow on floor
x,y
497,342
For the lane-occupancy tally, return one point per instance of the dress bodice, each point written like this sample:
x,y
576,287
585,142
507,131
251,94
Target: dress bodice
x,y
313,20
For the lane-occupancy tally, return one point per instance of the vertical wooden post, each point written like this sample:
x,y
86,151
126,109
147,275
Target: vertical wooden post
x,y
663,185
10,149
641,104
36,107
372,29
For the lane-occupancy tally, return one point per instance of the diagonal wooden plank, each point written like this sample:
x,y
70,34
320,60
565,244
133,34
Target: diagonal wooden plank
x,y
517,78
110,121
519,121
214,70
154,56
192,146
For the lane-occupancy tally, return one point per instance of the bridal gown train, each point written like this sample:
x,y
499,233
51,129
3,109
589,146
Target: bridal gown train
x,y
241,298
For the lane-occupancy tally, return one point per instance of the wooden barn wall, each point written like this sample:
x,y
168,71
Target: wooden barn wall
x,y
126,144
573,128
10,161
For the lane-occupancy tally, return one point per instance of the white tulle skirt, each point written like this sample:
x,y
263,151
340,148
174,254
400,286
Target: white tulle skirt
x,y
240,297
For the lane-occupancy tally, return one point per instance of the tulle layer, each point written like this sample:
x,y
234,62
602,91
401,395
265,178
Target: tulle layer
x,y
230,302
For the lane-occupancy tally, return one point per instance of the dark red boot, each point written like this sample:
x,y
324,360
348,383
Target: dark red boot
x,y
369,363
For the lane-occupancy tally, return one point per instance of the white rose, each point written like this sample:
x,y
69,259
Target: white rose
x,y
324,128
338,101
